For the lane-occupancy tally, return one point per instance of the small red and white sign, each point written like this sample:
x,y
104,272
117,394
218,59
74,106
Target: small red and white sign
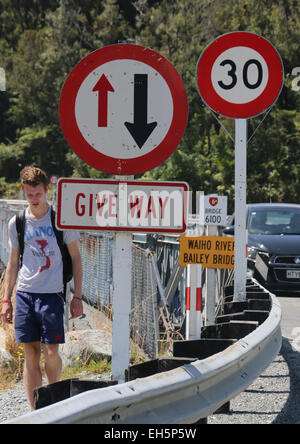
x,y
123,109
213,201
53,179
239,75
213,210
87,204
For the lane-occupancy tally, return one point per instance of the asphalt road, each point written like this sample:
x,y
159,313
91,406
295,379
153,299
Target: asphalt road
x,y
274,397
290,323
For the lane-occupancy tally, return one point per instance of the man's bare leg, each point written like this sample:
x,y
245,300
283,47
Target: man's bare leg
x,y
32,369
53,363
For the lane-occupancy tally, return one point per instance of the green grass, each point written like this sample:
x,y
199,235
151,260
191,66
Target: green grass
x,y
87,369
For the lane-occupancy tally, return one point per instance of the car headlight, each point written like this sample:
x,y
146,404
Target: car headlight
x,y
252,252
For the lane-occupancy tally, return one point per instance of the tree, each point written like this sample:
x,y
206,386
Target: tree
x,y
42,40
205,156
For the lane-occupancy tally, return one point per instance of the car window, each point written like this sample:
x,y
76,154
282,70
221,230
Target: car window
x,y
274,221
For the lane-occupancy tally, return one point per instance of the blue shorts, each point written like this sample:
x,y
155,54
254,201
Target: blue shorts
x,y
39,317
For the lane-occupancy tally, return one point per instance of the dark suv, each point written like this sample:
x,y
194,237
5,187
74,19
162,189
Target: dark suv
x,y
274,245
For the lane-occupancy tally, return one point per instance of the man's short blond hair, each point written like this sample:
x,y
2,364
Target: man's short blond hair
x,y
33,176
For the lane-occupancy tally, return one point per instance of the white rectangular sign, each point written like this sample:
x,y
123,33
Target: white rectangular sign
x,y
114,205
213,210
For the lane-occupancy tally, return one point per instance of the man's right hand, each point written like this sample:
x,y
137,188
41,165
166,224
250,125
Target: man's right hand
x,y
7,312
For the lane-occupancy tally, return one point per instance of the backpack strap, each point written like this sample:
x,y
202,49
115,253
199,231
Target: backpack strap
x,y
60,242
20,226
59,234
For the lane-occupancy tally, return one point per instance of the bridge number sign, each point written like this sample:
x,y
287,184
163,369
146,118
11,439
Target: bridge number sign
x,y
239,75
123,109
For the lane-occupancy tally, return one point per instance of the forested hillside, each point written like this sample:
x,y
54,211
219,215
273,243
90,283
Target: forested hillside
x,y
42,40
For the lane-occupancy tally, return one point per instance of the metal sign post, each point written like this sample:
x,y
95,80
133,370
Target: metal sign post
x,y
210,286
122,259
53,180
213,213
193,320
240,268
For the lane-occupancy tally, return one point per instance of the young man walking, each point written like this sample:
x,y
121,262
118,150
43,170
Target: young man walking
x,y
39,299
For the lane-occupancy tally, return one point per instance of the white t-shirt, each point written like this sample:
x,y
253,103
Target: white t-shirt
x,y
41,270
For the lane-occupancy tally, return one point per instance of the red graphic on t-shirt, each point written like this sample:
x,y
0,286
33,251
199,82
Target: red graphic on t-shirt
x,y
43,243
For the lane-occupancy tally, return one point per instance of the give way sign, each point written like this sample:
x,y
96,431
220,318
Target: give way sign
x,y
123,109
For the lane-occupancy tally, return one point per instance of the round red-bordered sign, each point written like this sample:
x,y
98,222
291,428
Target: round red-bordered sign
x,y
53,179
141,88
239,75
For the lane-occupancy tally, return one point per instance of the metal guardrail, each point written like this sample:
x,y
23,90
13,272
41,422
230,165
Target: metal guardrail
x,y
179,396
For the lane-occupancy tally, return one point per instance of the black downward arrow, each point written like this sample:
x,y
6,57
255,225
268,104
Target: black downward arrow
x,y
140,129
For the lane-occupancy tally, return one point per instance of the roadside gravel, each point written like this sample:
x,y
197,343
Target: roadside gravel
x,y
13,402
273,398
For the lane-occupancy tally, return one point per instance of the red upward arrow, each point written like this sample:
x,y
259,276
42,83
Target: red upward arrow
x,y
103,87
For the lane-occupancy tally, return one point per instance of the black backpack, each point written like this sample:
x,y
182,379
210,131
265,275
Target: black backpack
x,y
66,258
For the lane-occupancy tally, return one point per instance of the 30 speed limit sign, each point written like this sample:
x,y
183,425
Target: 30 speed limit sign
x,y
239,75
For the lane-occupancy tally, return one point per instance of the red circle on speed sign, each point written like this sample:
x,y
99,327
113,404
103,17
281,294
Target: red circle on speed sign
x,y
239,75
123,109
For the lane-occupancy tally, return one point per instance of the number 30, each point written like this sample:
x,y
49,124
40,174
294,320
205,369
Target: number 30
x,y
232,74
